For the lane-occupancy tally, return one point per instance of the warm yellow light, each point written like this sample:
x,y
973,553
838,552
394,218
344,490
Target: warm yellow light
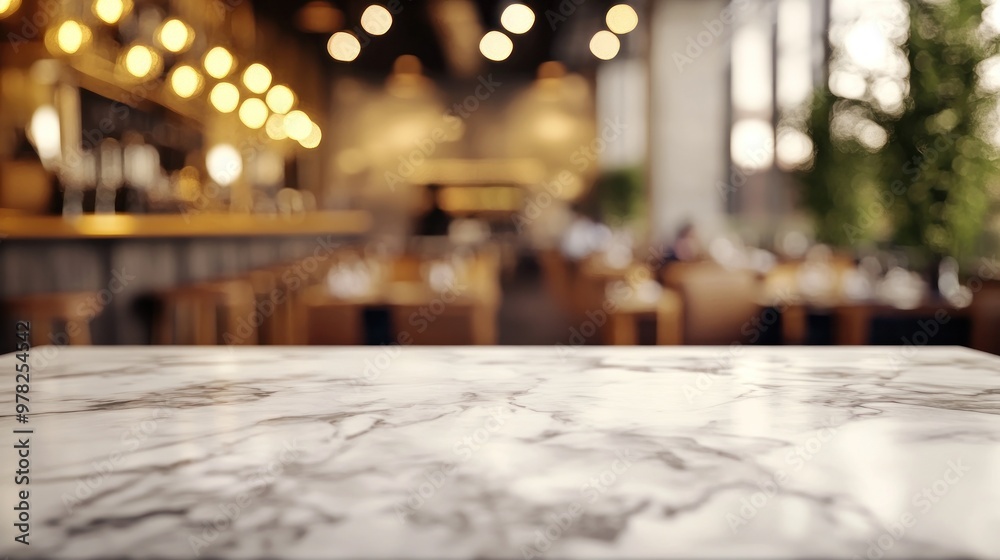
x,y
45,134
219,63
605,45
253,113
257,78
313,139
225,97
280,99
188,183
8,7
141,61
224,164
622,19
343,46
111,11
186,81
175,35
297,125
71,35
517,18
275,127
496,46
376,20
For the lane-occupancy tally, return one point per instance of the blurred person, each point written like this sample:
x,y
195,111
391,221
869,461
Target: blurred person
x,y
435,221
686,246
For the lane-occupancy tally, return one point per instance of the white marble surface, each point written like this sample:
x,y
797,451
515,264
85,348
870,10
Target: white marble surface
x,y
508,452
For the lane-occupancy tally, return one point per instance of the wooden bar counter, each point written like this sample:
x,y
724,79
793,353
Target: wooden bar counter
x,y
123,259
118,226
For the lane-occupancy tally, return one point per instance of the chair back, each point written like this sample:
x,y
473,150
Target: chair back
x,y
327,320
208,314
719,304
58,318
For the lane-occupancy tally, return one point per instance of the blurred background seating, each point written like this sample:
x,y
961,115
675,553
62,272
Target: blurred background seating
x,y
339,172
64,318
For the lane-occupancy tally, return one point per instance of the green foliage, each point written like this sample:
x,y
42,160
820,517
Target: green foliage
x,y
619,194
842,174
929,185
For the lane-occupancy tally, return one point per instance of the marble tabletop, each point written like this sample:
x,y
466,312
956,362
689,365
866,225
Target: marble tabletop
x,y
507,452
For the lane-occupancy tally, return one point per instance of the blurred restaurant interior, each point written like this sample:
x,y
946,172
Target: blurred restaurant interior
x,y
479,172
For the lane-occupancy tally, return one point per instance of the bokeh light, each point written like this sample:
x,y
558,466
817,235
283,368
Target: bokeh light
x,y
343,46
225,97
605,45
219,62
517,18
622,19
186,81
376,20
496,46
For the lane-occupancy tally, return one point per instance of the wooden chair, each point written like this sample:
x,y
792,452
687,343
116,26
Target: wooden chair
x,y
276,302
596,282
327,320
465,317
458,323
293,280
57,318
718,303
558,277
667,312
208,314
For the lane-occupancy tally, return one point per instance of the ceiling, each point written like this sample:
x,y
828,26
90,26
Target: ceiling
x,y
556,36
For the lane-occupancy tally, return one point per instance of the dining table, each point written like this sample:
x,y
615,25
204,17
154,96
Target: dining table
x,y
501,452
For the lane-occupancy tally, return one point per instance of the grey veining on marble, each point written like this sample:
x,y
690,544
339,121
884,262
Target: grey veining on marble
x,y
508,452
